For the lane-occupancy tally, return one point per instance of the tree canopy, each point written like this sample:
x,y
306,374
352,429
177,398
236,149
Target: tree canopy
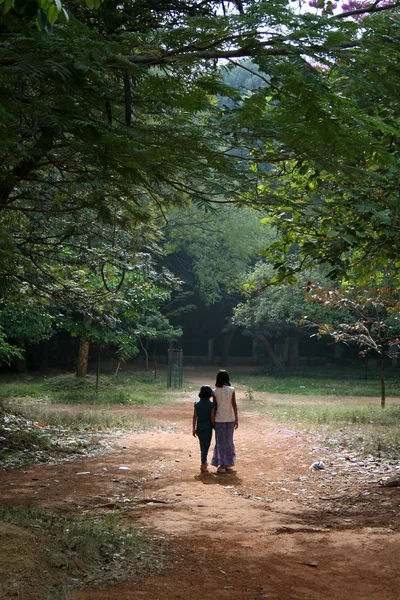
x,y
113,113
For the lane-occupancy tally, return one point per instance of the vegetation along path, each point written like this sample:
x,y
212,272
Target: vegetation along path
x,y
271,529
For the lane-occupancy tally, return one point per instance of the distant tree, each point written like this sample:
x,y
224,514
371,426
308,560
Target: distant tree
x,y
273,310
142,290
212,249
372,320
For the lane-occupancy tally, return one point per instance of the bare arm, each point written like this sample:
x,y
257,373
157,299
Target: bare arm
x,y
194,422
235,410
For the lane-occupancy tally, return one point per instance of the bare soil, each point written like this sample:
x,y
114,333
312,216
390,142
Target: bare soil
x,y
270,529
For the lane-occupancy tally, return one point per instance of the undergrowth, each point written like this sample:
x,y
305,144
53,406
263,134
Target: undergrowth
x,y
101,545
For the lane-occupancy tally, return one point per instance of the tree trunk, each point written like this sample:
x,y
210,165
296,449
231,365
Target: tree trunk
x,y
270,353
293,351
383,390
83,358
225,348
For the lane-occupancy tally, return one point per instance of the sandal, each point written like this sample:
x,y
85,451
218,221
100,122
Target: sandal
x,y
220,470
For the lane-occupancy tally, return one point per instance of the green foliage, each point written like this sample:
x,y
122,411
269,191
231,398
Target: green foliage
x,y
80,188
114,118
332,192
271,309
372,317
8,351
215,247
28,321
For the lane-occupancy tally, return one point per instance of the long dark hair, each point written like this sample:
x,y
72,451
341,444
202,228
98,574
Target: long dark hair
x,y
222,379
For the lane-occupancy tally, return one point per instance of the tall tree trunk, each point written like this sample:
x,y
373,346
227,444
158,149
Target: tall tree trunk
x,y
293,351
270,353
383,389
83,358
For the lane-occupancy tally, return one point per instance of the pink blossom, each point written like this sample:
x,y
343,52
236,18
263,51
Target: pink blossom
x,y
350,5
317,65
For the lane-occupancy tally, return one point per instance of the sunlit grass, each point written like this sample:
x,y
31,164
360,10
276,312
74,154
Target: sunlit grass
x,y
81,418
363,427
343,382
131,390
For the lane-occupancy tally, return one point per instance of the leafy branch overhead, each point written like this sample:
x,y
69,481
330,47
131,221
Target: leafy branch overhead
x,y
115,118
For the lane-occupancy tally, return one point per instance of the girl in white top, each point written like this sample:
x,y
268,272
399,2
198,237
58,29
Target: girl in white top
x,y
226,421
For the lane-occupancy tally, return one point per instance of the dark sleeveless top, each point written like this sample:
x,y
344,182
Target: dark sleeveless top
x,y
203,409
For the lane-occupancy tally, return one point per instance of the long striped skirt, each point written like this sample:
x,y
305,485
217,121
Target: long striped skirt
x,y
224,451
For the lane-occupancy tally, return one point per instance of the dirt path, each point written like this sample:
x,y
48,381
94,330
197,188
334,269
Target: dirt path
x,y
272,529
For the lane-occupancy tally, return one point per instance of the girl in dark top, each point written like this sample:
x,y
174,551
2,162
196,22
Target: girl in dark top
x,y
203,422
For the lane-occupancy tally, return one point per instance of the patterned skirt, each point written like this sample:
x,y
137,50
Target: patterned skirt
x,y
224,451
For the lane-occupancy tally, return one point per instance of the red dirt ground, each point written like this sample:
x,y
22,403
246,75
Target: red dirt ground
x,y
271,529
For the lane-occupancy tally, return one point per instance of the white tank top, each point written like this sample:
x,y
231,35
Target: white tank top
x,y
223,396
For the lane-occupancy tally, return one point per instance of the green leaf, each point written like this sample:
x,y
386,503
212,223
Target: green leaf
x,y
349,238
43,22
52,14
331,233
8,4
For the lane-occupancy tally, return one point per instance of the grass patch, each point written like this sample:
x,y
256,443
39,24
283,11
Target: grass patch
x,y
63,414
362,428
324,413
89,549
131,390
327,411
343,382
82,419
